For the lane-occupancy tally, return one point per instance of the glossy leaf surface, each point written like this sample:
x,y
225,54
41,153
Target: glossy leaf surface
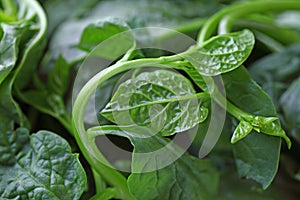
x,y
162,100
222,53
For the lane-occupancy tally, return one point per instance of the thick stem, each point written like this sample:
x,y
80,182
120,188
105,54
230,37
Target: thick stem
x,y
255,7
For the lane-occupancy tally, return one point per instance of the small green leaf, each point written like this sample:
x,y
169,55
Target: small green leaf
x,y
241,131
162,100
222,53
113,35
266,125
58,77
46,165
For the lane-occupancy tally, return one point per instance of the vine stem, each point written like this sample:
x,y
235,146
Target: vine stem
x,y
86,142
227,15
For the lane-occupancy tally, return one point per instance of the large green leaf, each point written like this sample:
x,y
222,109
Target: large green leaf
x,y
9,108
18,37
222,53
33,41
161,100
161,170
257,155
186,178
9,47
11,142
41,166
23,36
233,188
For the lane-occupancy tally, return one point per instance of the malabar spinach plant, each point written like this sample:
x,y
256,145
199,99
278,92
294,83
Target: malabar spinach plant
x,y
48,151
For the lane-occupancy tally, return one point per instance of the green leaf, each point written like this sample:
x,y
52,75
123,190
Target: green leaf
x,y
11,142
111,33
49,98
277,67
46,164
21,36
33,41
9,47
195,179
185,177
241,131
9,108
58,77
289,103
275,71
60,11
222,53
50,103
233,188
162,100
257,155
43,100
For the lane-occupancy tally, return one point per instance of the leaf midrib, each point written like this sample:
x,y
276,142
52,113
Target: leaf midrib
x,y
170,100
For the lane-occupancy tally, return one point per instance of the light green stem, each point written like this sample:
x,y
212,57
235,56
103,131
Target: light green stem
x,y
225,17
